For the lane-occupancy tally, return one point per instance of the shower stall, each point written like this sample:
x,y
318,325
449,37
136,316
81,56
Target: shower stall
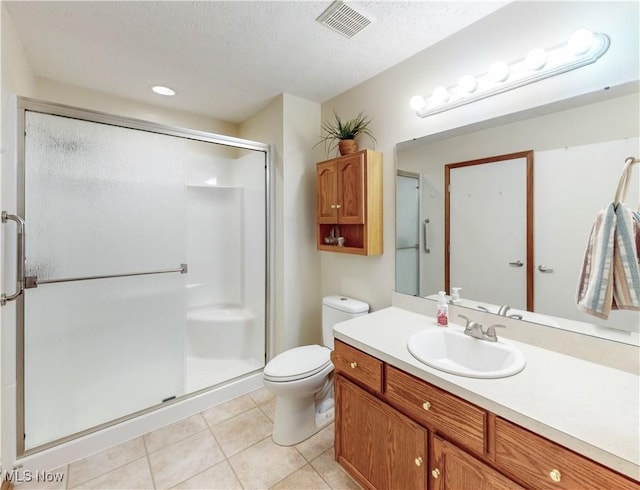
x,y
137,255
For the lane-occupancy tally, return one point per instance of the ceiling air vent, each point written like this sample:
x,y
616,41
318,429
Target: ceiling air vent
x,y
344,19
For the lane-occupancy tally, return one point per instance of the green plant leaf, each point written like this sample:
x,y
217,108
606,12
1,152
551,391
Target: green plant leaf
x,y
338,129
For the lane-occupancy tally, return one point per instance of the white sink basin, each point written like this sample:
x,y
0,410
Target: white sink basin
x,y
454,352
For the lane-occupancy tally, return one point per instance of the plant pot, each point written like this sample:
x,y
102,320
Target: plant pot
x,y
347,147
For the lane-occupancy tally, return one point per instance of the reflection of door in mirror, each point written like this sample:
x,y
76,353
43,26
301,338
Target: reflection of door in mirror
x,y
488,229
408,233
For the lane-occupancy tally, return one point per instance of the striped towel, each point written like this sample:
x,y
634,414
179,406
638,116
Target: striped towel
x,y
626,259
595,288
610,277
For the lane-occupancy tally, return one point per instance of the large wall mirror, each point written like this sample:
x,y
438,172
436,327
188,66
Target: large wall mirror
x,y
575,157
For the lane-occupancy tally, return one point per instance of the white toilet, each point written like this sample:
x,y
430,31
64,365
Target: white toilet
x,y
302,378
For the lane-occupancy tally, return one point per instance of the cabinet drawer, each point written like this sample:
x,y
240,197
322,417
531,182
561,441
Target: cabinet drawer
x,y
446,414
358,366
542,464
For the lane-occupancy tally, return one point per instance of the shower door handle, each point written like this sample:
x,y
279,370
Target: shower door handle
x,y
425,235
20,252
33,281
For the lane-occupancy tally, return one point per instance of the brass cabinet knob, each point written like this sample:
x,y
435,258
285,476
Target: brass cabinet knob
x,y
353,365
333,206
426,406
418,461
435,472
555,475
338,206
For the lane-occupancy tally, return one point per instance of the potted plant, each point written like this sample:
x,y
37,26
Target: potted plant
x,y
342,133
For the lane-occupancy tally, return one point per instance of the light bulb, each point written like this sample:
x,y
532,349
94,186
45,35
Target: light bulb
x,y
499,71
440,95
159,89
535,59
580,41
418,103
468,84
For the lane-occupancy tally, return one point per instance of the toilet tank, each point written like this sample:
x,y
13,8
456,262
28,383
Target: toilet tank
x,y
336,309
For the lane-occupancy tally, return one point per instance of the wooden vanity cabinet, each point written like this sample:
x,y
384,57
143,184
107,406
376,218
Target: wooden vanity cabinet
x,y
396,431
381,448
349,199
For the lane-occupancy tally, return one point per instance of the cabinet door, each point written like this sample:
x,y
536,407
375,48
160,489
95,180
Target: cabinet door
x,y
454,469
380,447
351,189
327,192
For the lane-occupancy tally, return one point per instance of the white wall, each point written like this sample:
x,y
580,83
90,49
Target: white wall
x,y
291,125
73,95
302,265
16,74
508,33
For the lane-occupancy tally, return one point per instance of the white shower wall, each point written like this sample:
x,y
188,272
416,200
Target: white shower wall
x,y
226,252
225,230
214,245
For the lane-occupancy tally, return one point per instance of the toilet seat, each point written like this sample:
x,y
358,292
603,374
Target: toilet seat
x,y
298,363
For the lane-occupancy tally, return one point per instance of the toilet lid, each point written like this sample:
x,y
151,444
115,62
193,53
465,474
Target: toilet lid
x,y
297,363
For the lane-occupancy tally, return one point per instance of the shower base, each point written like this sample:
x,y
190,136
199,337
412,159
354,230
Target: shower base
x,y
202,373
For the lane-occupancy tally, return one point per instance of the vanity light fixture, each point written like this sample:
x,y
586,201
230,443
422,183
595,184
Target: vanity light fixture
x,y
161,90
583,48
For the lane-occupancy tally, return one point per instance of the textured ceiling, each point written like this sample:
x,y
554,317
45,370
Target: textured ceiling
x,y
226,59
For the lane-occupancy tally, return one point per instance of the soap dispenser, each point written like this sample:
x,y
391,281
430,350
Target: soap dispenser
x,y
442,315
455,296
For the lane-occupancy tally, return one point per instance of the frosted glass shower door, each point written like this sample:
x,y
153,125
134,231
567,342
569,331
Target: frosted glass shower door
x,y
408,234
101,203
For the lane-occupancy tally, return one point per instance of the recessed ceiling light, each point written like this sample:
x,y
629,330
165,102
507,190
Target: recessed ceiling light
x,y
159,89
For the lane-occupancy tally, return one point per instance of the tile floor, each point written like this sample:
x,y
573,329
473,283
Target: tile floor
x,y
225,447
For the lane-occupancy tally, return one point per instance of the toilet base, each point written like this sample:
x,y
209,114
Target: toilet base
x,y
296,420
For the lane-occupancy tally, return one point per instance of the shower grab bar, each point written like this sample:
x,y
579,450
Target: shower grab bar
x,y
33,282
20,258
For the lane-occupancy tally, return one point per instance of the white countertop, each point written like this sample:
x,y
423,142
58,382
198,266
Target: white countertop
x,y
587,407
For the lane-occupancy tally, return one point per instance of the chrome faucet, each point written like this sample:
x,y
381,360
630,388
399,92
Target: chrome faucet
x,y
474,329
502,311
490,334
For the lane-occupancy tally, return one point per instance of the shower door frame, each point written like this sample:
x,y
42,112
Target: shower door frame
x,y
25,104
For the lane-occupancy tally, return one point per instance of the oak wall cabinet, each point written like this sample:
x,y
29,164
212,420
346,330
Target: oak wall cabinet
x,y
349,203
396,431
